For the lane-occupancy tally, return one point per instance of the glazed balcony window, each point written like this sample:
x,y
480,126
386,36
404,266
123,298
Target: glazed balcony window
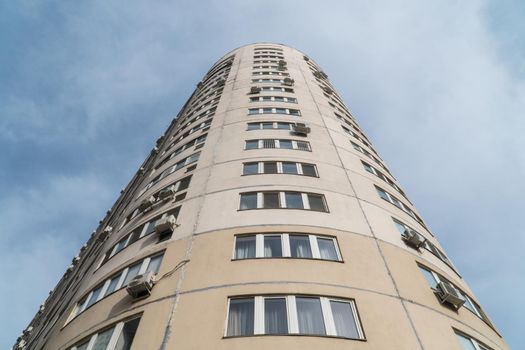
x,y
277,167
283,200
286,245
293,314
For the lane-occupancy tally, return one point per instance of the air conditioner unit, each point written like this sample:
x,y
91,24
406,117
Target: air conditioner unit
x,y
104,233
328,90
300,129
255,90
75,260
166,225
320,74
288,81
141,286
27,331
282,65
413,239
146,204
167,193
449,294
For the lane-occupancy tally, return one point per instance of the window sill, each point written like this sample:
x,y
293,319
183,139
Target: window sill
x,y
287,258
292,335
317,211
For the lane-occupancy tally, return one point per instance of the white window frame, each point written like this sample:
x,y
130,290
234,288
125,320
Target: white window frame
x,y
285,245
117,330
280,168
292,318
277,144
282,200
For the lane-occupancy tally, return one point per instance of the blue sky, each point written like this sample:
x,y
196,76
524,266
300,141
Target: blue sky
x,y
87,87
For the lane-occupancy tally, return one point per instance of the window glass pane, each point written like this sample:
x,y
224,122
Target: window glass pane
x,y
383,194
310,316
270,167
103,339
289,168
272,246
316,202
398,204
303,146
429,277
154,264
327,248
250,168
309,170
253,111
94,296
113,284
128,333
240,317
285,144
248,201
135,235
465,342
368,168
280,110
269,143
150,227
184,183
120,245
252,144
271,200
400,227
245,247
345,324
193,158
81,305
294,200
285,126
253,126
300,246
83,346
275,319
132,272
267,125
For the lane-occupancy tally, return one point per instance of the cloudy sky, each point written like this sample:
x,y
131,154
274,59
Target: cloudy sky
x,y
86,88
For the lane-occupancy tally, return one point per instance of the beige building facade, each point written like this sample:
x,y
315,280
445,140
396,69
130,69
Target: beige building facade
x,y
262,219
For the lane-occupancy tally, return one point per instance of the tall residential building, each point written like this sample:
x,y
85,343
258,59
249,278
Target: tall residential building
x,y
262,219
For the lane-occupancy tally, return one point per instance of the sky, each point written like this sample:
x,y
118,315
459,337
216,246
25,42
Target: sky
x,y
87,87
